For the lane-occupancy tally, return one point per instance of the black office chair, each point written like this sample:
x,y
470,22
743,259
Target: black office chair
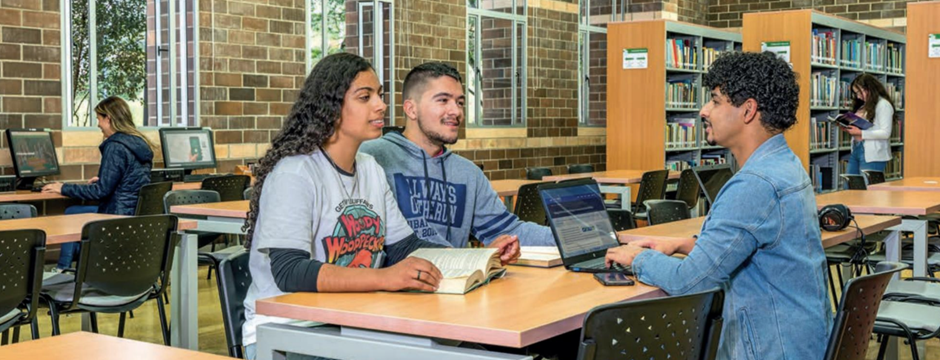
x,y
529,204
537,173
855,316
874,177
189,197
688,189
621,219
119,266
655,329
17,211
229,187
652,187
21,263
580,168
666,211
150,198
233,281
854,182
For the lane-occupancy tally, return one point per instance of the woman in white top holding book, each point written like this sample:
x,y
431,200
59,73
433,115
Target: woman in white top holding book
x,y
870,148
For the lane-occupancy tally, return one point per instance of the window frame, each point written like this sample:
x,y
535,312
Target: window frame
x,y
585,30
520,81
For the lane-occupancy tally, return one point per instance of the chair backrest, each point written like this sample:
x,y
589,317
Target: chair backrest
x,y
652,186
529,204
188,197
665,211
233,280
688,189
17,211
21,260
854,182
621,219
658,328
150,198
537,173
248,192
229,187
874,177
858,308
580,168
126,256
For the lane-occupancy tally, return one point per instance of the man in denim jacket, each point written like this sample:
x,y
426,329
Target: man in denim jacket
x,y
761,240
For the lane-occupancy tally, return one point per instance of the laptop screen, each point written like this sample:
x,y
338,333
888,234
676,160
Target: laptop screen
x,y
712,179
578,217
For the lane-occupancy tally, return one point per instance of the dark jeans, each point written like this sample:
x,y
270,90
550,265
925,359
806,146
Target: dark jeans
x,y
70,250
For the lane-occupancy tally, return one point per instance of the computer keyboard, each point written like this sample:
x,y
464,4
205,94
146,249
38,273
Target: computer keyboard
x,y
37,186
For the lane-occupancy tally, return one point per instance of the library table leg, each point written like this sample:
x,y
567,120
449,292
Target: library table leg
x,y
183,299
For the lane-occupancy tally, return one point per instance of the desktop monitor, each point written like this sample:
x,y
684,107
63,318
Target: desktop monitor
x,y
187,148
712,178
33,154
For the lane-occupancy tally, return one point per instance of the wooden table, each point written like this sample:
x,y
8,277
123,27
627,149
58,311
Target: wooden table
x,y
619,177
91,346
526,306
880,202
183,299
909,184
26,195
684,229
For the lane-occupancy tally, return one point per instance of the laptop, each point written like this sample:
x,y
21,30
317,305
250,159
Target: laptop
x,y
712,178
580,225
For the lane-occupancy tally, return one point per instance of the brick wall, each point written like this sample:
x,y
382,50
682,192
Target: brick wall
x,y
693,11
889,14
30,90
252,63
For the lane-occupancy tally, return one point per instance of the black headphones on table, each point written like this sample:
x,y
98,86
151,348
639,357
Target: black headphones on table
x,y
835,217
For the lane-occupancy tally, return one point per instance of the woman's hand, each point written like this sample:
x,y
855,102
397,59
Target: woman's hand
x,y
93,180
623,255
54,188
411,274
665,246
854,131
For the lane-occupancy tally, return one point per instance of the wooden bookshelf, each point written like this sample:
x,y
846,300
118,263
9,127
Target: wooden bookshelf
x,y
923,87
825,47
640,112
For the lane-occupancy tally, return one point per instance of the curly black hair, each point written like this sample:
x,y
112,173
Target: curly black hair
x,y
760,76
311,121
421,74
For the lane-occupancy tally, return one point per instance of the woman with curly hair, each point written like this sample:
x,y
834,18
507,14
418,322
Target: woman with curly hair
x,y
322,217
870,148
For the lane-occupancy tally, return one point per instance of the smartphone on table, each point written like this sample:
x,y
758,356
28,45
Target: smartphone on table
x,y
613,279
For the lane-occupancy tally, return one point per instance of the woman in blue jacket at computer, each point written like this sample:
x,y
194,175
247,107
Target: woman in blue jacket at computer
x,y
126,160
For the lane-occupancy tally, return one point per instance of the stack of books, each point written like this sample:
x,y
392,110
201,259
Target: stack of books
x,y
874,56
681,54
823,89
824,47
851,53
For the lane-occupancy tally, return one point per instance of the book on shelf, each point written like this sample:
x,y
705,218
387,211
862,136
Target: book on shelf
x,y
680,134
679,165
897,126
895,59
709,56
851,53
821,177
823,89
845,140
824,47
463,269
820,134
893,167
680,94
874,56
843,166
681,54
850,119
896,94
846,96
539,256
713,159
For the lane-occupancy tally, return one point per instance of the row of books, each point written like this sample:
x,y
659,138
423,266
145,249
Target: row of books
x,y
680,94
681,54
820,134
845,140
897,95
874,56
893,168
895,59
681,134
851,53
823,89
824,47
896,130
821,176
846,96
709,56
707,159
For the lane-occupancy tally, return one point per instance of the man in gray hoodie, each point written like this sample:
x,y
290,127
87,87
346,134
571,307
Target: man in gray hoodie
x,y
444,196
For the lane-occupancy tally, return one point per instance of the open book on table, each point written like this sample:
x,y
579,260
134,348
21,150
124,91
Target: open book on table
x,y
851,119
463,269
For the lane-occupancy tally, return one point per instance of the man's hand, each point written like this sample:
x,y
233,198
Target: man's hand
x,y
508,246
623,255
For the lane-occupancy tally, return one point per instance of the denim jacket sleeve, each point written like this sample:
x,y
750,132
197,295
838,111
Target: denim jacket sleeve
x,y
727,241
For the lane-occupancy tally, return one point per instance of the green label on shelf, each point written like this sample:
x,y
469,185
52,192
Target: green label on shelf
x,y
781,48
635,58
933,46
